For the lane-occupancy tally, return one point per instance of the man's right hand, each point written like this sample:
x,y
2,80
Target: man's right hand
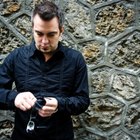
x,y
25,100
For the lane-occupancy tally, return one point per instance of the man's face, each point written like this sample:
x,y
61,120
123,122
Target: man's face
x,y
46,34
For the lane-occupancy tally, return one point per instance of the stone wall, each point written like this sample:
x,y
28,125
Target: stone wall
x,y
107,32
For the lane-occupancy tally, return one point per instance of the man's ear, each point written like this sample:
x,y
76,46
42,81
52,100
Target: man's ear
x,y
61,29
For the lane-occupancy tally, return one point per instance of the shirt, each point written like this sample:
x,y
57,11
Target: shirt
x,y
63,76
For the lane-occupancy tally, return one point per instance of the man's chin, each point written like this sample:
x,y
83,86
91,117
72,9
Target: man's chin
x,y
47,52
44,50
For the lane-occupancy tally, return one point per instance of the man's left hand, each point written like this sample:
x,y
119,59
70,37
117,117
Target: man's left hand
x,y
49,108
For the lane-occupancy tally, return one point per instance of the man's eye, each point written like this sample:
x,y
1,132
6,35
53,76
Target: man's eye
x,y
39,34
51,35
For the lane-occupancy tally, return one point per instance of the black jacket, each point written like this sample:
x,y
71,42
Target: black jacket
x,y
64,77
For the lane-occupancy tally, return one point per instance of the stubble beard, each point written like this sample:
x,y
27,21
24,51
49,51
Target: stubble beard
x,y
45,51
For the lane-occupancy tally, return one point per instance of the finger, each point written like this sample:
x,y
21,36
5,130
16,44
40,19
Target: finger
x,y
22,107
44,113
47,108
48,101
26,104
51,102
30,99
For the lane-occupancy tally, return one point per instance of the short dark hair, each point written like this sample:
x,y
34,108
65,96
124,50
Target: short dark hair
x,y
48,10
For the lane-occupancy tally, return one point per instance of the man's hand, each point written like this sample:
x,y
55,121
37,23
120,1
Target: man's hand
x,y
25,100
49,108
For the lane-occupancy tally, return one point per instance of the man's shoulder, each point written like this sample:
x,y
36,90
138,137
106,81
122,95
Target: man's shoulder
x,y
73,53
23,49
20,52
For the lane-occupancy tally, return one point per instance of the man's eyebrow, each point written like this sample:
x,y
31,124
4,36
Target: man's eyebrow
x,y
51,32
38,31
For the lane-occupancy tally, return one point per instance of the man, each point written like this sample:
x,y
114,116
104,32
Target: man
x,y
51,81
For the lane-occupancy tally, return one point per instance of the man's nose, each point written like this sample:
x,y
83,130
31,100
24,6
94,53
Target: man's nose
x,y
45,40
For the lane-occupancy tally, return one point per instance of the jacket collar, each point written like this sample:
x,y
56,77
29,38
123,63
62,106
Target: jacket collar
x,y
60,49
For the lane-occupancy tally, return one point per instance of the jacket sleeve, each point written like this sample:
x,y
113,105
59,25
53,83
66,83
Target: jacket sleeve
x,y
79,101
7,94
